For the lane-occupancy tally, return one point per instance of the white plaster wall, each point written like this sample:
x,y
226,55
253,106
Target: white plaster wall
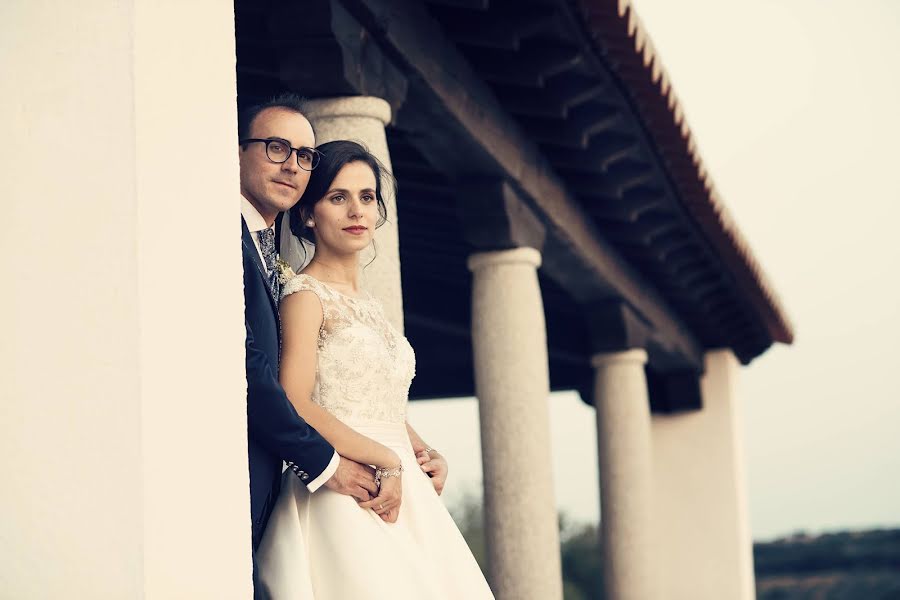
x,y
123,433
703,532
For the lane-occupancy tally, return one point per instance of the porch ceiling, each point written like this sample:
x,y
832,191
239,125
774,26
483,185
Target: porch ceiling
x,y
583,81
566,100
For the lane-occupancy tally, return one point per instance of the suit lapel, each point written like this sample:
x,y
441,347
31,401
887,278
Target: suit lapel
x,y
247,242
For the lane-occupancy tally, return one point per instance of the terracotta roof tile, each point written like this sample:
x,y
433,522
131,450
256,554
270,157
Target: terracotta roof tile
x,y
618,30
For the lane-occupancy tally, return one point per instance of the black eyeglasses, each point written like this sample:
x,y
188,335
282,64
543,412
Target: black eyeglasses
x,y
279,151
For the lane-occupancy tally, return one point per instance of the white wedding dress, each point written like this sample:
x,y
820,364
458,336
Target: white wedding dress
x,y
322,546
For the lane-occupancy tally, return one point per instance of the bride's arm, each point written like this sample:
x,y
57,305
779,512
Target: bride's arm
x,y
301,318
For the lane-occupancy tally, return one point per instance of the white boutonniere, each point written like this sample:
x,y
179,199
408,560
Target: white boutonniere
x,y
285,272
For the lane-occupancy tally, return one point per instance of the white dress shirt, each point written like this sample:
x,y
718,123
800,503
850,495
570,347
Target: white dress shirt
x,y
255,223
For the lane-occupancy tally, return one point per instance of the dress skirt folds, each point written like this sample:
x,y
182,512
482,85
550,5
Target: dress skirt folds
x,y
323,546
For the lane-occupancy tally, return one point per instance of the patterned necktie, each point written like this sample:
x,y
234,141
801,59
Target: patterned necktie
x,y
266,239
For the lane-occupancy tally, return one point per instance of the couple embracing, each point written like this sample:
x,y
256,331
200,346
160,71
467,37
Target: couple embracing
x,y
357,513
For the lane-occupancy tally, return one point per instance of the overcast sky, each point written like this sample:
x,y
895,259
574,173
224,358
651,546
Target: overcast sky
x,y
795,105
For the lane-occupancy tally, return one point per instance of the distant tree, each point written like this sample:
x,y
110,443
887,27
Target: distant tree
x,y
469,517
842,550
582,564
580,549
833,566
836,566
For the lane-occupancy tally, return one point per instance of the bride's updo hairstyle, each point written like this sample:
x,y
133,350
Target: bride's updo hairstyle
x,y
335,155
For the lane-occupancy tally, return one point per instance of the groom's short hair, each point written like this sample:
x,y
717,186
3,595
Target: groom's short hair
x,y
287,100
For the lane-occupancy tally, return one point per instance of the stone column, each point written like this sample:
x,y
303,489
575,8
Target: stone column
x,y
362,119
704,542
623,440
512,385
123,441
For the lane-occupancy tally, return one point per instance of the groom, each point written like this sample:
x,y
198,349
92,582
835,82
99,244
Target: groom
x,y
273,177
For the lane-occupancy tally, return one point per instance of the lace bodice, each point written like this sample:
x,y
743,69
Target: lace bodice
x,y
364,365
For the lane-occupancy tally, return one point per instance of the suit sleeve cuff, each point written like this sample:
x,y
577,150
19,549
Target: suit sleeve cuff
x,y
316,483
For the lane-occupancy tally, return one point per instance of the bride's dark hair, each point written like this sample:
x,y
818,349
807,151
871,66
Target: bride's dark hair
x,y
335,155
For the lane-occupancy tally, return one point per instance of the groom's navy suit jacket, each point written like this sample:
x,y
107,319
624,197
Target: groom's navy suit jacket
x,y
275,431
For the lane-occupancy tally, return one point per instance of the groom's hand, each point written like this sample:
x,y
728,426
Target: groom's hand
x,y
353,479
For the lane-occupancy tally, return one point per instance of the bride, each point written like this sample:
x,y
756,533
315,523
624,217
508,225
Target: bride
x,y
347,372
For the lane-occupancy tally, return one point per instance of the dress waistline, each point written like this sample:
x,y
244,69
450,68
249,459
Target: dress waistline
x,y
393,435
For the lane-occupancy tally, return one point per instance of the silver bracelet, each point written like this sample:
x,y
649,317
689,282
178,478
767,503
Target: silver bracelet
x,y
385,472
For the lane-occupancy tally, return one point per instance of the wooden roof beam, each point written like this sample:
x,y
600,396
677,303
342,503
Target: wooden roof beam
x,y
622,211
639,233
653,224
464,4
555,98
613,326
628,175
574,89
622,184
503,32
578,129
530,66
602,152
527,102
326,48
454,102
668,251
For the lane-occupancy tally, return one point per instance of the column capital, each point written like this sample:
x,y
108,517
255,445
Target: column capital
x,y
634,355
349,106
480,260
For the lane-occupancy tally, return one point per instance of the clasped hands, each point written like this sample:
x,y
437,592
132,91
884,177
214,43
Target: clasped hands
x,y
358,481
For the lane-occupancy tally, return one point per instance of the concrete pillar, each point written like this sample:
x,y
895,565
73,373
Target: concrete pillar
x,y
512,385
623,440
123,440
704,542
362,119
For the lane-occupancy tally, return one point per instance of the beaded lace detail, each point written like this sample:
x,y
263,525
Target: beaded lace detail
x,y
365,367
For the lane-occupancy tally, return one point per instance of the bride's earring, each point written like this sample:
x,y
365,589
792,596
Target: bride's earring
x,y
310,223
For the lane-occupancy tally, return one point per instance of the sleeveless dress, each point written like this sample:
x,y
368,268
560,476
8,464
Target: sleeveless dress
x,y
323,546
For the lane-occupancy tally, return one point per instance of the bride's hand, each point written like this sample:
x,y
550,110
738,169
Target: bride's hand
x,y
387,504
390,516
435,466
391,510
